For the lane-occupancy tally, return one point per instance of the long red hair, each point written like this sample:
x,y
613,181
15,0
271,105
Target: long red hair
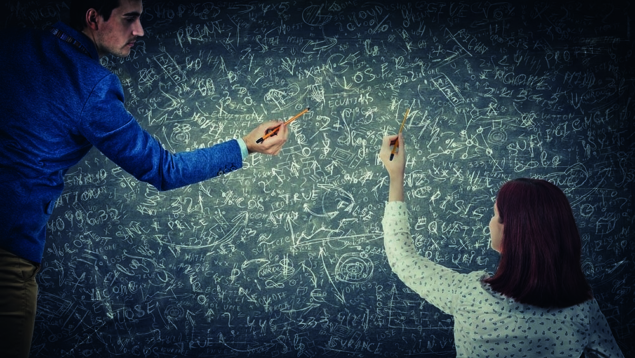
x,y
541,248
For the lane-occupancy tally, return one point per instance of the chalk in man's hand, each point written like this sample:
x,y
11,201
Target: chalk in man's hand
x,y
276,129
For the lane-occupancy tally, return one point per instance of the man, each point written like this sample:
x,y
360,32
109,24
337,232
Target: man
x,y
58,102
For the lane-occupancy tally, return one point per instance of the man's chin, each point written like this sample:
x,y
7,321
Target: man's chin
x,y
121,54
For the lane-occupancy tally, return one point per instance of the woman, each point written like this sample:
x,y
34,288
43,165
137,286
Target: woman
x,y
538,304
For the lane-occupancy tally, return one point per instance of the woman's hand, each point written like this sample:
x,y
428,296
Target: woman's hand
x,y
396,166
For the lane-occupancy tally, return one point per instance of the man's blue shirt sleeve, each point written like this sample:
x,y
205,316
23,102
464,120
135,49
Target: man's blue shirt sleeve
x,y
115,132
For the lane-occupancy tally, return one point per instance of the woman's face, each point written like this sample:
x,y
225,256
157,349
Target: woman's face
x,y
496,231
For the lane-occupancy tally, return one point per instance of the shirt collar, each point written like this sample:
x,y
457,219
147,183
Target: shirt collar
x,y
80,37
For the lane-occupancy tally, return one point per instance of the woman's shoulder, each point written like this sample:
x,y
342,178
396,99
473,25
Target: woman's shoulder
x,y
579,311
472,287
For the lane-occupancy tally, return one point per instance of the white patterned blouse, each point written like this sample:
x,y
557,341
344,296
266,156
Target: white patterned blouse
x,y
486,323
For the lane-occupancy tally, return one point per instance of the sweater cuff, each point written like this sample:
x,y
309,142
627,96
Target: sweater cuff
x,y
397,207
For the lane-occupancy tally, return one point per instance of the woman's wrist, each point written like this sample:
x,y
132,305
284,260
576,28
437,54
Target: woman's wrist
x,y
395,191
396,177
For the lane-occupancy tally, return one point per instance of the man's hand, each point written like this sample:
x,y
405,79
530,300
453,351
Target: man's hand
x,y
273,144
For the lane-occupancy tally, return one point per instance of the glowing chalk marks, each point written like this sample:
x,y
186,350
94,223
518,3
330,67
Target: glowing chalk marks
x,y
354,268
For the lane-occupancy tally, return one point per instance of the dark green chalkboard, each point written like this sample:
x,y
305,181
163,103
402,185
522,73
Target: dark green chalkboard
x,y
284,258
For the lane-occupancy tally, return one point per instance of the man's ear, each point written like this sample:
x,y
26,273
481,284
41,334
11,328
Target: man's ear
x,y
91,19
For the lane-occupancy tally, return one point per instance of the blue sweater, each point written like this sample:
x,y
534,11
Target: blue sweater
x,y
57,103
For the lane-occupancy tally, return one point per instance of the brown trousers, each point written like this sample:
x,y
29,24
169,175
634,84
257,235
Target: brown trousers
x,y
18,301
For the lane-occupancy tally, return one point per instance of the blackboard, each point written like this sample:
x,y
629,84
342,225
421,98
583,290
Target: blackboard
x,y
284,258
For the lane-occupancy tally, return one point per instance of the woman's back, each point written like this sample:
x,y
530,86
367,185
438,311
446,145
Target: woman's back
x,y
492,325
486,323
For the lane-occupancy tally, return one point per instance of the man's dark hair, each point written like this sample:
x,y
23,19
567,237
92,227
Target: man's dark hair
x,y
79,8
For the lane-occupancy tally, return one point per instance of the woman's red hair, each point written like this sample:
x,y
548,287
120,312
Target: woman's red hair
x,y
540,251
